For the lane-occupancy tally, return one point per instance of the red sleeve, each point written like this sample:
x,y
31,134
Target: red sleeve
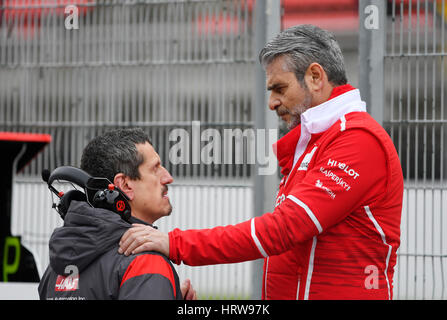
x,y
351,171
229,244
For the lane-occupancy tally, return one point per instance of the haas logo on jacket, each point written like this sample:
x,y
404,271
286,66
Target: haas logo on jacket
x,y
70,282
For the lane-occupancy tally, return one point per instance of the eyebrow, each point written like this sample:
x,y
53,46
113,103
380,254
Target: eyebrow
x,y
274,86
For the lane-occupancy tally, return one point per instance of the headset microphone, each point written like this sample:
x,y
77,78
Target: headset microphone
x,y
98,192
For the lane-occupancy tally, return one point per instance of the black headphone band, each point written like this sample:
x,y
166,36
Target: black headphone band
x,y
98,192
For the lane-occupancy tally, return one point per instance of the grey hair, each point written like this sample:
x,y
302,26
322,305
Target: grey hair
x,y
303,45
114,152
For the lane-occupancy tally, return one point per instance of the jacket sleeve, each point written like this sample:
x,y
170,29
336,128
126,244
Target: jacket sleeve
x,y
149,277
351,171
229,244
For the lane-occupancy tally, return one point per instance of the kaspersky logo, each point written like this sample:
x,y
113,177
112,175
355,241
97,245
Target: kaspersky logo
x,y
69,282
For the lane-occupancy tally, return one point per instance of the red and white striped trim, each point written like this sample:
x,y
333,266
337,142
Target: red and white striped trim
x,y
310,268
256,240
308,211
382,235
265,280
342,123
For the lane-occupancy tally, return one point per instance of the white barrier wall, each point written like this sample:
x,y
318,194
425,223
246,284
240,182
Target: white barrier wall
x,y
421,272
18,291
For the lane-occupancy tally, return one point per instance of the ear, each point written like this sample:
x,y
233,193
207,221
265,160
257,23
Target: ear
x,y
122,182
315,77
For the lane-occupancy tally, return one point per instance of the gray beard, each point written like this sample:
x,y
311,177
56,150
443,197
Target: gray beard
x,y
295,121
297,111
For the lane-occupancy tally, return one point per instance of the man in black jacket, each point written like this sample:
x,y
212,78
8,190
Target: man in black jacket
x,y
84,258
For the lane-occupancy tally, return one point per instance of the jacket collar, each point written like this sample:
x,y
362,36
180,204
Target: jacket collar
x,y
343,99
133,220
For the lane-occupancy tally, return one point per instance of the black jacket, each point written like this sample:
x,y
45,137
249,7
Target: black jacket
x,y
85,263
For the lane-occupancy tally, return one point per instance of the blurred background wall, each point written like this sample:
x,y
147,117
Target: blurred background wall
x,y
161,65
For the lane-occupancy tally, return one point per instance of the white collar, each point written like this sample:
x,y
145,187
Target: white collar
x,y
322,117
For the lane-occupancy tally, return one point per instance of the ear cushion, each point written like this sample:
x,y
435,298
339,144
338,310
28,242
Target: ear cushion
x,y
66,199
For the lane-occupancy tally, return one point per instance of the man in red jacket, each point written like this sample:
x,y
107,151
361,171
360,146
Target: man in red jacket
x,y
335,229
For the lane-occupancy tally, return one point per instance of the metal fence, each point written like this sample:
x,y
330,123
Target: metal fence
x,y
416,119
154,64
159,65
405,64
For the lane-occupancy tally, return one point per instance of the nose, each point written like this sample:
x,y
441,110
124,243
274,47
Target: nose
x,y
274,102
166,177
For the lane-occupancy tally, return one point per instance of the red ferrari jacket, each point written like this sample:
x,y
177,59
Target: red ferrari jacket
x,y
335,228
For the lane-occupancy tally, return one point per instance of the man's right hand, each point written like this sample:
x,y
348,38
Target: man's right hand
x,y
141,238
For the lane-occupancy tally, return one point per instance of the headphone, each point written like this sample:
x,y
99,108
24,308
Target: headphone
x,y
98,192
